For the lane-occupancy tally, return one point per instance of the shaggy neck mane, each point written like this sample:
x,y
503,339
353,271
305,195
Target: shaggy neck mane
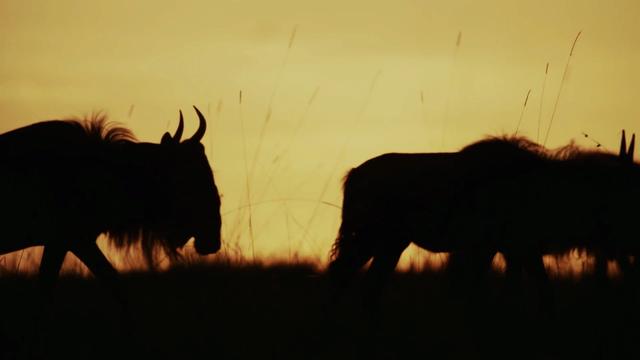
x,y
98,128
570,151
134,220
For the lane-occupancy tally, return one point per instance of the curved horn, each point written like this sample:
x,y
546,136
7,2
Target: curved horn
x,y
201,129
623,146
178,135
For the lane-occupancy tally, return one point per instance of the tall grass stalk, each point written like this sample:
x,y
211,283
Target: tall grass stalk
x,y
286,218
524,106
447,104
217,120
564,76
544,85
214,124
278,161
285,203
422,104
288,144
341,154
19,261
265,123
422,112
247,176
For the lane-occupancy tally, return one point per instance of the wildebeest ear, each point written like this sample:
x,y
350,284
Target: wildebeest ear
x,y
626,154
623,146
166,139
632,148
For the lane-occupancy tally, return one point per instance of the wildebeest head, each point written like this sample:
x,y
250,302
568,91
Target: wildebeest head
x,y
194,204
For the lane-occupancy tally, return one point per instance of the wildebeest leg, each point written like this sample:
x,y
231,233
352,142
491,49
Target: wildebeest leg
x,y
629,273
343,269
91,255
626,267
535,265
480,267
50,264
351,257
458,271
510,295
468,270
371,343
600,271
382,266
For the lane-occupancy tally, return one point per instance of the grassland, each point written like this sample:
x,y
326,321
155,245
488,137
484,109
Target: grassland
x,y
279,312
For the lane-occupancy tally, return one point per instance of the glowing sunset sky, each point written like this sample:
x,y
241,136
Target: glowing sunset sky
x,y
339,82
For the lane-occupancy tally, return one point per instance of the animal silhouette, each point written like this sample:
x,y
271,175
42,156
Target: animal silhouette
x,y
463,202
395,199
64,183
566,199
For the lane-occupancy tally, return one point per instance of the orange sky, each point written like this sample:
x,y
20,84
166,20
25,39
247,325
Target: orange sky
x,y
359,78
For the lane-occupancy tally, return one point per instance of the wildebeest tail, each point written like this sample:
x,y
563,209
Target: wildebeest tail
x,y
350,210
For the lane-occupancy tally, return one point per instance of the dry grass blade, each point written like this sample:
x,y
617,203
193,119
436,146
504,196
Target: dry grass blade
x,y
293,36
524,106
340,155
422,112
564,76
544,85
131,108
217,119
247,177
278,158
447,104
263,128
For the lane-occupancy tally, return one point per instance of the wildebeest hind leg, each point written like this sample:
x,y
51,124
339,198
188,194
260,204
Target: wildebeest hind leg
x,y
343,269
382,266
50,264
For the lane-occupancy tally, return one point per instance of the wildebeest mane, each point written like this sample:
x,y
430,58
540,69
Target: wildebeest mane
x,y
97,127
147,233
509,143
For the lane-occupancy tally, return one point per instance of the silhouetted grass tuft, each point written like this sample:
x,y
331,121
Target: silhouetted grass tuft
x,y
281,312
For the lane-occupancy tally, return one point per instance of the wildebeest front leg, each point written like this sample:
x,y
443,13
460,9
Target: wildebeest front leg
x,y
545,290
91,255
50,264
94,259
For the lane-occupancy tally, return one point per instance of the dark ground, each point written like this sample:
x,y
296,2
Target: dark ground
x,y
277,313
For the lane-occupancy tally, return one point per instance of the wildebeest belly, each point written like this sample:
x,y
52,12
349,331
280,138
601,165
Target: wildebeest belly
x,y
429,230
35,208
544,224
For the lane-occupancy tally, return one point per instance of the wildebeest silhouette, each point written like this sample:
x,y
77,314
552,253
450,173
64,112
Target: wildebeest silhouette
x,y
397,198
566,199
64,183
464,202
